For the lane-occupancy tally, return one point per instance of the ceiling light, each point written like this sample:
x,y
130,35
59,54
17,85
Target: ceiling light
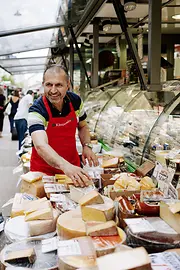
x,y
88,61
129,5
107,26
86,42
176,17
17,13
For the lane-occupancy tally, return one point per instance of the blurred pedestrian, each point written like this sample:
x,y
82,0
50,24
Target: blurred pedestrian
x,y
14,101
2,104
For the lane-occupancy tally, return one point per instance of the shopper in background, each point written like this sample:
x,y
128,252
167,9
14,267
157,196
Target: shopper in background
x,y
53,120
14,101
22,115
2,103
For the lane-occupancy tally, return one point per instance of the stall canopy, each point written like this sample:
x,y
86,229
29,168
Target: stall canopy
x,y
28,26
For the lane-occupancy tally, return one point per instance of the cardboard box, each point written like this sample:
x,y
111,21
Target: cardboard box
x,y
171,219
123,192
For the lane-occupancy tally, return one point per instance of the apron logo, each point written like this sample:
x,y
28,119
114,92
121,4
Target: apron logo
x,y
61,125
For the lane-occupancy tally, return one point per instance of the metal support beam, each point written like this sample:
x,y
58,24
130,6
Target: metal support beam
x,y
31,65
95,54
124,26
71,67
26,50
154,46
30,29
79,53
123,54
5,70
170,59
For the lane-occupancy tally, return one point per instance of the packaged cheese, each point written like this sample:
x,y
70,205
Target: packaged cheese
x,y
42,214
21,256
40,227
136,259
106,244
36,188
102,229
93,197
99,212
19,202
32,177
111,163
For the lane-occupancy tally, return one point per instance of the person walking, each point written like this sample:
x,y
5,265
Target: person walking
x,y
14,101
22,115
2,103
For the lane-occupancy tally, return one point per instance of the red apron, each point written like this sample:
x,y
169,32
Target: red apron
x,y
61,137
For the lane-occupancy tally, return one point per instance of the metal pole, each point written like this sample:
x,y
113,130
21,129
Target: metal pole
x,y
30,29
79,54
5,70
119,8
71,67
95,54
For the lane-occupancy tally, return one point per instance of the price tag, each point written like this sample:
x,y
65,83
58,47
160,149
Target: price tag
x,y
55,188
57,198
138,225
49,245
164,187
69,248
48,179
172,192
165,261
157,169
171,172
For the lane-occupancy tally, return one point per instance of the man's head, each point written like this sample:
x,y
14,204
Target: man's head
x,y
56,83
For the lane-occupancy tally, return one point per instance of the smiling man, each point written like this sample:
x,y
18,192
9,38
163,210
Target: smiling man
x,y
53,120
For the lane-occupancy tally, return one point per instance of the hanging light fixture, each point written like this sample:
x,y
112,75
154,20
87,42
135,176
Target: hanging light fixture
x,y
17,13
107,26
129,5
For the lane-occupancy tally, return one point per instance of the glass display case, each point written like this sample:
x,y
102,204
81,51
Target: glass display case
x,y
136,122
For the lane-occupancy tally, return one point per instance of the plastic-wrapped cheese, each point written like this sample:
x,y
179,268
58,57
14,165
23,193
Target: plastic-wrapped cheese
x,y
99,212
71,225
40,227
36,188
19,203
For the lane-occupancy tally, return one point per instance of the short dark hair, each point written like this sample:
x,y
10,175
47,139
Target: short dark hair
x,y
16,93
30,92
54,66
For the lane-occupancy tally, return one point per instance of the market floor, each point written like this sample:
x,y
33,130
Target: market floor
x,y
8,161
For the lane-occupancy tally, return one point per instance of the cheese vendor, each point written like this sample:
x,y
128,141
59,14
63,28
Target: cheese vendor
x,y
52,120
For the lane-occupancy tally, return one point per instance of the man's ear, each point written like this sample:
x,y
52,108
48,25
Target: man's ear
x,y
68,84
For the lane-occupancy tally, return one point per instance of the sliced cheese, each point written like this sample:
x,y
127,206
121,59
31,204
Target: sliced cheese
x,y
32,177
110,163
38,205
136,259
42,214
76,193
175,207
103,229
19,202
36,188
27,255
99,212
71,225
93,197
40,227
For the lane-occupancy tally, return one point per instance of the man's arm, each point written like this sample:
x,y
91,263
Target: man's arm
x,y
84,136
44,150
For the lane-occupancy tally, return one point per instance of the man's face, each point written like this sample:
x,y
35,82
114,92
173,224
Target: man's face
x,y
55,85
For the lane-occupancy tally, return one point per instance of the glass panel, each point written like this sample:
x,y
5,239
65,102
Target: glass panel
x,y
33,68
15,62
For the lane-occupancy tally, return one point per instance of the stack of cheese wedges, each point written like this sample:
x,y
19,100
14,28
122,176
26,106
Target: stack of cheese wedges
x,y
32,183
41,217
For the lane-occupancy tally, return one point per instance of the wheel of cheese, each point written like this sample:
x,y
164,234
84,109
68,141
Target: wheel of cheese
x,y
70,225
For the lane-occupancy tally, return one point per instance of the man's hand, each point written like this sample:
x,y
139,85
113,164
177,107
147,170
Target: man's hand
x,y
91,157
77,174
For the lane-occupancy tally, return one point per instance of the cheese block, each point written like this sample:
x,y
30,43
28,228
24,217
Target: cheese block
x,y
21,256
172,219
103,229
32,177
110,163
71,225
76,193
42,214
83,254
40,227
99,212
136,259
69,182
93,197
36,188
38,205
175,207
19,202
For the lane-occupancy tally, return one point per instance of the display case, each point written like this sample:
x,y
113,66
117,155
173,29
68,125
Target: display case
x,y
137,122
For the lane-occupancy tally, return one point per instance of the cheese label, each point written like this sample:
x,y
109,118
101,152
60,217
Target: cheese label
x,y
48,179
69,248
53,188
165,261
50,244
138,225
57,198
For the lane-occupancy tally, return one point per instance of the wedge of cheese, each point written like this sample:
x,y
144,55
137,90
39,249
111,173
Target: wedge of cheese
x,y
70,225
42,214
136,259
99,212
110,163
175,207
93,197
36,188
32,177
21,256
69,182
103,229
19,202
76,193
37,205
40,227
